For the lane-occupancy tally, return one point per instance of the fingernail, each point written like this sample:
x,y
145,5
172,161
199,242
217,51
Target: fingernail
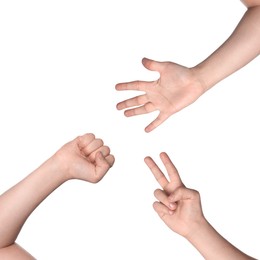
x,y
171,205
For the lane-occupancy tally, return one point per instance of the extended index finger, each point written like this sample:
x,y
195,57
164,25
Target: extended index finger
x,y
158,174
134,85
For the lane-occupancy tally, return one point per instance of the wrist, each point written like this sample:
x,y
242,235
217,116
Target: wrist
x,y
196,229
55,168
202,77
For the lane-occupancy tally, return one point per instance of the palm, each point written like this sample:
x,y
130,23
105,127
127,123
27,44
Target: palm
x,y
176,88
179,86
180,221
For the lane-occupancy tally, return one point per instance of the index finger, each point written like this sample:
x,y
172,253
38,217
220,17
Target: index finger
x,y
134,85
85,140
157,173
171,169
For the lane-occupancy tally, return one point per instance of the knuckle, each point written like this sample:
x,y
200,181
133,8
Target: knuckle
x,y
100,141
196,194
148,107
106,149
139,100
96,178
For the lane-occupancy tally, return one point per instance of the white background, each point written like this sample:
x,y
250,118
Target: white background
x,y
59,63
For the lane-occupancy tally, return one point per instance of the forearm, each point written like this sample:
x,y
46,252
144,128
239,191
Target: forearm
x,y
240,48
212,246
18,203
15,252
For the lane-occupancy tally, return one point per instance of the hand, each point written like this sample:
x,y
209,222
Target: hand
x,y
85,158
176,88
177,206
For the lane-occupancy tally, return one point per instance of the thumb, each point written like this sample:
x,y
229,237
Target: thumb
x,y
102,165
152,65
182,193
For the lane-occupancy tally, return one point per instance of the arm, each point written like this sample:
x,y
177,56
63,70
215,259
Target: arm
x,y
85,158
179,86
239,49
180,209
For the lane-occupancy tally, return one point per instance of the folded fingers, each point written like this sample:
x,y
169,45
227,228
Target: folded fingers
x,y
105,150
103,164
162,197
162,210
85,140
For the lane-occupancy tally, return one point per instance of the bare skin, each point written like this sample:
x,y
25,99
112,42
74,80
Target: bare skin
x,y
179,86
85,158
180,209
